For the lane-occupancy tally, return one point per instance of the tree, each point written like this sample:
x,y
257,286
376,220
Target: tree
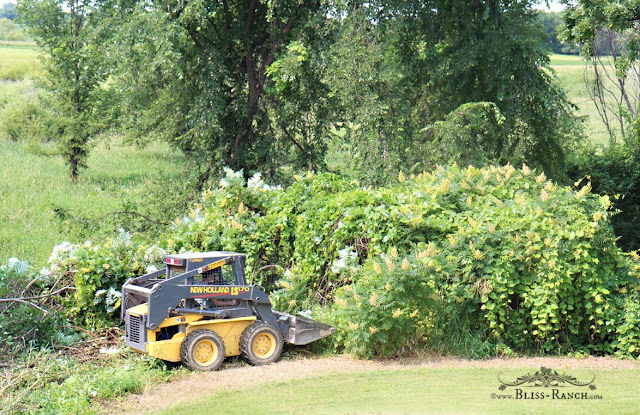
x,y
552,25
8,11
66,32
211,77
270,85
401,67
611,43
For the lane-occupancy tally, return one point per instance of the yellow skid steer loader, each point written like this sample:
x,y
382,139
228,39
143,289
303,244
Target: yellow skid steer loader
x,y
199,310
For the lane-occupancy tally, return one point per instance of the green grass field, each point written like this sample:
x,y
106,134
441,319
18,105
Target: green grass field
x,y
18,60
423,391
31,186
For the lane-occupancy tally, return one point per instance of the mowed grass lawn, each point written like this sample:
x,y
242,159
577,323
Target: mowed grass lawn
x,y
32,185
422,391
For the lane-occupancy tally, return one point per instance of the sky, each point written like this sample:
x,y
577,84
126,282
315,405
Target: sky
x,y
554,6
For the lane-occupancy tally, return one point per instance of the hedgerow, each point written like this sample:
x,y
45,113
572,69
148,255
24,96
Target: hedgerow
x,y
498,258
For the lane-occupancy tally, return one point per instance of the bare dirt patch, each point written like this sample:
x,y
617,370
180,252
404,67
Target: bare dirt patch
x,y
238,375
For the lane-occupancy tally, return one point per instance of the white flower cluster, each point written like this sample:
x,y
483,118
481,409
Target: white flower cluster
x,y
347,258
14,265
256,182
231,177
110,298
61,253
195,216
123,238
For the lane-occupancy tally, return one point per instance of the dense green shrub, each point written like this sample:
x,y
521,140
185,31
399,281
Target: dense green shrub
x,y
511,257
99,272
614,171
26,117
11,31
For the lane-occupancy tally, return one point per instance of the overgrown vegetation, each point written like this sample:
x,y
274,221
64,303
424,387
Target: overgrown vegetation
x,y
505,256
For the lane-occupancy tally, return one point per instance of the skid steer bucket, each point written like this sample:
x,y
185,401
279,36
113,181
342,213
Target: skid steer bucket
x,y
301,330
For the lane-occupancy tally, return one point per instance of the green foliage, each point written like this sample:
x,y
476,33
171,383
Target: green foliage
x,y
505,256
10,30
628,332
614,171
472,134
389,308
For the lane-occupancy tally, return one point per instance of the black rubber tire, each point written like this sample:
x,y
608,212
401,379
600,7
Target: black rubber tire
x,y
261,336
197,345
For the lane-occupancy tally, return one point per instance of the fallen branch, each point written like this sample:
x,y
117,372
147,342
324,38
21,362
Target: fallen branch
x,y
37,297
19,300
27,300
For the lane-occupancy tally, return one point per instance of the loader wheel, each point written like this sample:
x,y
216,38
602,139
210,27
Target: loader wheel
x,y
202,350
261,343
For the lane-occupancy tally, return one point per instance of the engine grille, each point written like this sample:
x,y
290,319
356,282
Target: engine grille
x,y
134,329
136,332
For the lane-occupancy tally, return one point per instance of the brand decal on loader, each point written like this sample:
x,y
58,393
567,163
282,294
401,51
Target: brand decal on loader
x,y
211,266
214,290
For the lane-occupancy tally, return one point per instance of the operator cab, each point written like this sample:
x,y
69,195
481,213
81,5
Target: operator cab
x,y
230,273
214,268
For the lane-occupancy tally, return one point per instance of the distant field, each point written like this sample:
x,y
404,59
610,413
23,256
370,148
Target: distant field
x,y
18,60
566,60
571,71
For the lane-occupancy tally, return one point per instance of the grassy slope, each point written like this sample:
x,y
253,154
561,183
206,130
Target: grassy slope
x,y
424,390
31,186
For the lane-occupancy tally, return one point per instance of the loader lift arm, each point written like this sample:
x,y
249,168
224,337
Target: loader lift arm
x,y
164,296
